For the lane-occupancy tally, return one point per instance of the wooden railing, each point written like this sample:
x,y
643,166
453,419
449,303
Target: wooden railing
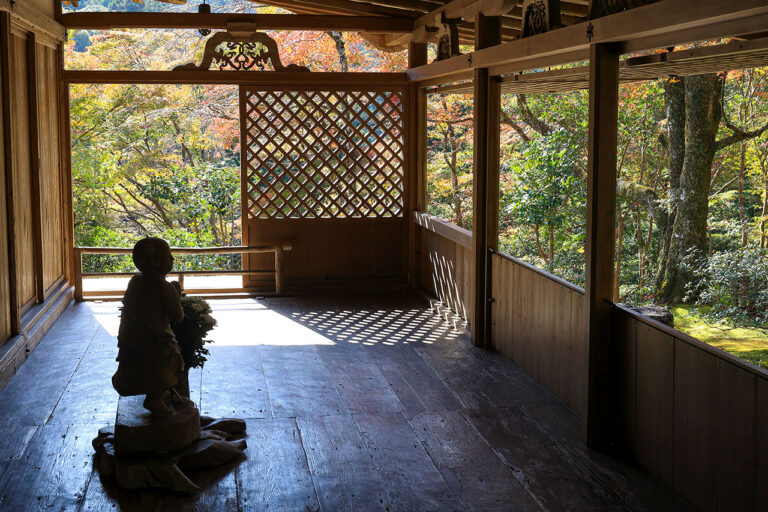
x,y
278,251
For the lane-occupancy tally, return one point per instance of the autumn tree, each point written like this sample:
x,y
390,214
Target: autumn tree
x,y
694,116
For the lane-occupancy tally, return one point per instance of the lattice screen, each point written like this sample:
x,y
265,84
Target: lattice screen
x,y
323,153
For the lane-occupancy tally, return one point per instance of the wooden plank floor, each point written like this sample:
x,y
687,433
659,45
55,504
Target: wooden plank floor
x,y
355,403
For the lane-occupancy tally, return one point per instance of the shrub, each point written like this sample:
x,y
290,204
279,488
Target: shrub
x,y
734,284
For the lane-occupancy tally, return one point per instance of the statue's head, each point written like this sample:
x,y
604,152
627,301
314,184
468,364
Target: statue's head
x,y
153,255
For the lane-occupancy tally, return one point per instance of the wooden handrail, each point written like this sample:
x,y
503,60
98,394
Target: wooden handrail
x,y
278,250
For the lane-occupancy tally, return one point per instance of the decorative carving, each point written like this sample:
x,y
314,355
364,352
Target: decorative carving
x,y
448,44
600,8
540,16
240,52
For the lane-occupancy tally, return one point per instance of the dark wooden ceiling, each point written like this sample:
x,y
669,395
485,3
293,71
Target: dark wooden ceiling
x,y
572,11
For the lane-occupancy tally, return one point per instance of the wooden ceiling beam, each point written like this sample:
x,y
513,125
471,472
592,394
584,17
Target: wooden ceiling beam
x,y
418,6
113,20
672,21
345,7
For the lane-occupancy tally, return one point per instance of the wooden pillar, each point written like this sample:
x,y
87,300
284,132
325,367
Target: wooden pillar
x,y
485,194
66,170
601,239
5,73
417,54
417,144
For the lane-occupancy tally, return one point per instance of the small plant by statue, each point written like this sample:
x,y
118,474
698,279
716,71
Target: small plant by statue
x,y
149,357
190,335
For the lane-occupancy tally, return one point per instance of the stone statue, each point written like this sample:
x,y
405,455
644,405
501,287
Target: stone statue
x,y
155,443
149,358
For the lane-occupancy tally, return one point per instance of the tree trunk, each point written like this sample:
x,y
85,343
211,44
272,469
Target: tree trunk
x,y
674,98
689,230
341,49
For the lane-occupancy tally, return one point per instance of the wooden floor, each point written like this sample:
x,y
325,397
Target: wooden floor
x,y
363,403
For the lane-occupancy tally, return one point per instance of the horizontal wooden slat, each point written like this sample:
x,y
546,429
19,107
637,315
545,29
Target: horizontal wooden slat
x,y
184,273
113,20
231,77
235,249
461,236
26,15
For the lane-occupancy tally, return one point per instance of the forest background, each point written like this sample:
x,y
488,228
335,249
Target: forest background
x,y
692,207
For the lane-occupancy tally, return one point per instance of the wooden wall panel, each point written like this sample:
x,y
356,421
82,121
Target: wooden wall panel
x,y
50,173
445,271
22,184
700,422
537,321
761,453
329,249
624,329
654,407
696,419
5,290
578,355
735,448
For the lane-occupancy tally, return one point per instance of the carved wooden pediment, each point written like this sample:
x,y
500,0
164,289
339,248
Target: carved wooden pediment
x,y
540,16
240,52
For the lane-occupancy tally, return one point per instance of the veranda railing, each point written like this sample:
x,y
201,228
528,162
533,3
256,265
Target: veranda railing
x,y
277,250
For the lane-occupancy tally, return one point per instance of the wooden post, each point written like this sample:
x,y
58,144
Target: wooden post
x,y
600,243
5,73
485,194
78,264
417,56
279,270
66,170
34,165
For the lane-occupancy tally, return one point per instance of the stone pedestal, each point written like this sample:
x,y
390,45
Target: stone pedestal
x,y
142,451
138,432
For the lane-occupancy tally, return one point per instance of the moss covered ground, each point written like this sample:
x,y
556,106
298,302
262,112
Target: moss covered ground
x,y
748,343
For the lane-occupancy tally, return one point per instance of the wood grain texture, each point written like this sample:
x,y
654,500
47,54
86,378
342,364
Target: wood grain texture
x,y
761,452
735,467
330,249
21,172
395,450
343,472
321,372
445,271
461,455
696,420
654,402
5,284
52,211
537,322
543,470
274,474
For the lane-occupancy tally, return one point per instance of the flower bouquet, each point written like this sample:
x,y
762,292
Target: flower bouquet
x,y
190,334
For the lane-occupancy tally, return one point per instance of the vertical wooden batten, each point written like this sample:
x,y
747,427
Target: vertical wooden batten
x,y
600,242
34,165
485,195
5,72
65,142
417,135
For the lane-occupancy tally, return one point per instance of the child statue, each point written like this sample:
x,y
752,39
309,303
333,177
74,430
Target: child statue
x,y
148,356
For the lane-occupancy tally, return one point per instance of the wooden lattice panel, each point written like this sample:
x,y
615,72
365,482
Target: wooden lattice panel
x,y
331,153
